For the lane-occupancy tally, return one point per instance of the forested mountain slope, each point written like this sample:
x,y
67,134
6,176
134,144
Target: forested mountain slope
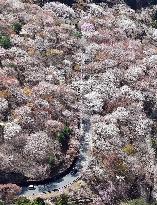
x,y
44,51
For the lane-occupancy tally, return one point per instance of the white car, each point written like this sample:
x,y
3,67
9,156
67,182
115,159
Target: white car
x,y
31,187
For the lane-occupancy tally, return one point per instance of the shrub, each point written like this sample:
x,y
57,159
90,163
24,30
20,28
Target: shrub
x,y
27,91
53,52
129,149
154,146
154,24
63,136
66,131
154,143
154,20
115,165
78,34
76,67
51,161
38,201
1,203
22,201
17,27
136,202
62,200
4,94
155,16
138,4
5,41
152,2
12,65
25,201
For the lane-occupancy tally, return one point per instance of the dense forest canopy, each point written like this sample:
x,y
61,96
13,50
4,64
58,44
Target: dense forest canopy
x,y
64,65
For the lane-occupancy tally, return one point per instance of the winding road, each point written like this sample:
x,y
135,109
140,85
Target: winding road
x,y
81,165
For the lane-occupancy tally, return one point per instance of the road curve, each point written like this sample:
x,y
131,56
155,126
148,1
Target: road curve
x,y
81,165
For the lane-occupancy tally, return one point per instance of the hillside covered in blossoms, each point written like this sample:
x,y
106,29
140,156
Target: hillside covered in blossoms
x,y
63,64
